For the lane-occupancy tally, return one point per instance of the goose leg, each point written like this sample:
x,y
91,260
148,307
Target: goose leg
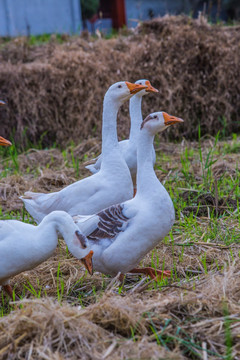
x,y
153,273
134,191
9,291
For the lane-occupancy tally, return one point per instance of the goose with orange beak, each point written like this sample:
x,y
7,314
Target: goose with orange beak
x,y
111,185
121,235
129,147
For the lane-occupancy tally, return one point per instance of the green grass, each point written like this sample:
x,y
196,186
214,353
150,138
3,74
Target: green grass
x,y
36,40
187,175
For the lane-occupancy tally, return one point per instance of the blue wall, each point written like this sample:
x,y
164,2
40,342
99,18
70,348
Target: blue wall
x,y
139,9
25,17
35,17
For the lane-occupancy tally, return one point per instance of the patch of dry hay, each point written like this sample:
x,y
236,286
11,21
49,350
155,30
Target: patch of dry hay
x,y
45,329
58,89
187,313
41,171
10,188
15,185
33,159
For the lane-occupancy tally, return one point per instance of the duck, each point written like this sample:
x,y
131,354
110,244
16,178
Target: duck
x,y
122,234
128,147
111,185
24,246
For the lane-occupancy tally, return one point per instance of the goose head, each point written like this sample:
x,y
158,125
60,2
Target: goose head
x,y
78,245
159,121
123,91
149,89
80,250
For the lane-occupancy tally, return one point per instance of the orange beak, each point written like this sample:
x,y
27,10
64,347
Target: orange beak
x,y
135,88
2,102
150,88
170,120
87,262
4,142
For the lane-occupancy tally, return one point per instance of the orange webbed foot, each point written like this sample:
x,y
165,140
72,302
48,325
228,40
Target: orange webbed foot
x,y
153,273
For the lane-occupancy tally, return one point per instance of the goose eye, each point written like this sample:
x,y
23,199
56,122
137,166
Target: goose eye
x,y
81,239
140,83
119,86
155,117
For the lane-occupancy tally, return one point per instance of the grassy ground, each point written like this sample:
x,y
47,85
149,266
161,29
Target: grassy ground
x,y
66,314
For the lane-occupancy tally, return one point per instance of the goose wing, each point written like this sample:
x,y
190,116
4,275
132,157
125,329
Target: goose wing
x,y
107,224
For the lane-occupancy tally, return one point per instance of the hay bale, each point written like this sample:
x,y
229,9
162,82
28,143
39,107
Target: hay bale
x,y
44,329
57,89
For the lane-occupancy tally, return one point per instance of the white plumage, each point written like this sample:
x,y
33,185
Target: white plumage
x,y
111,185
124,233
129,147
24,246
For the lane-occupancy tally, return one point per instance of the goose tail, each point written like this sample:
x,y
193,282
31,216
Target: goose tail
x,y
92,168
34,204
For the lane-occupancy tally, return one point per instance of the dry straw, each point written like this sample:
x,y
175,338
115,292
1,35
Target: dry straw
x,y
57,89
121,327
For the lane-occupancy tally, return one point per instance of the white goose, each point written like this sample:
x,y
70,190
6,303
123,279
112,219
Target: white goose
x,y
111,185
121,235
129,147
24,246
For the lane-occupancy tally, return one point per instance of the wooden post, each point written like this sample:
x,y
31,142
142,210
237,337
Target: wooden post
x,y
118,14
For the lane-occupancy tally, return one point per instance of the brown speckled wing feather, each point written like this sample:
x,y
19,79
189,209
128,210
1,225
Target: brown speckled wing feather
x,y
110,223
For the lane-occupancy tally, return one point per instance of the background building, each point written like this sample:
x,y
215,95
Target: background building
x,y
35,17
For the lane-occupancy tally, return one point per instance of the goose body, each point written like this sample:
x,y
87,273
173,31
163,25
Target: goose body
x,y
128,147
24,246
111,185
121,235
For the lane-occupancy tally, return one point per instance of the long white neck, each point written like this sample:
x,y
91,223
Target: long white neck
x,y
109,126
61,222
58,221
147,180
136,116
